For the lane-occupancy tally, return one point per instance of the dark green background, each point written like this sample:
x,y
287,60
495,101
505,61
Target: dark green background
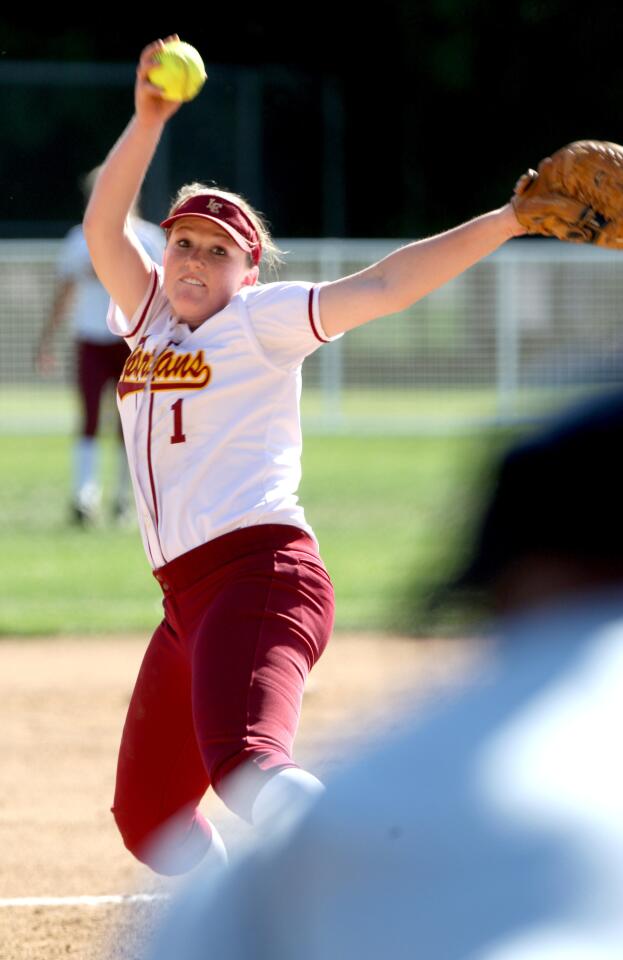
x,y
445,103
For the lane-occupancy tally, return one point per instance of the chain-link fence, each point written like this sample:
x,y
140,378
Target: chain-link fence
x,y
526,327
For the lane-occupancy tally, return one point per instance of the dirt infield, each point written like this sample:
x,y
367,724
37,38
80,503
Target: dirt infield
x,y
62,708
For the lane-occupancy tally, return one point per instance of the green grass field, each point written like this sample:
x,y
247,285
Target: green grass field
x,y
51,409
387,511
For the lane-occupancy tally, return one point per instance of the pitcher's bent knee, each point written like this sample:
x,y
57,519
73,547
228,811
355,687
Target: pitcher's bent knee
x,y
168,847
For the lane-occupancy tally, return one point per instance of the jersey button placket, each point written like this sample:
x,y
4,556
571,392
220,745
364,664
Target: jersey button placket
x,y
152,517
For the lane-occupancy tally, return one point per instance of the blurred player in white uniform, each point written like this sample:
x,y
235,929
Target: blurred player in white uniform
x,y
209,400
493,828
99,359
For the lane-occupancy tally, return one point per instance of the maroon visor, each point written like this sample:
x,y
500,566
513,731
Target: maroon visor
x,y
230,217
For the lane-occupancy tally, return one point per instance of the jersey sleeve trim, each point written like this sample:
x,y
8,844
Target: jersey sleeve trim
x,y
314,315
150,300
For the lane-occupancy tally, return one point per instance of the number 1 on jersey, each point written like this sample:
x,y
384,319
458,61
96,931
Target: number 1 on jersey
x,y
178,435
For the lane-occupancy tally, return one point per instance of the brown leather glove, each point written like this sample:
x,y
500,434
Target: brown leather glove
x,y
576,195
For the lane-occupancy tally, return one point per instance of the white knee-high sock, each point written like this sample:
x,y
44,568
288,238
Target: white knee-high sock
x,y
86,455
175,849
285,797
217,851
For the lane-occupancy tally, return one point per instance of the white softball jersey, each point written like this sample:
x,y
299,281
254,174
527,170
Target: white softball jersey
x,y
211,415
90,304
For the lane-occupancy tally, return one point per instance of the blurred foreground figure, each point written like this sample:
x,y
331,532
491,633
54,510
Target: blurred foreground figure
x,y
493,829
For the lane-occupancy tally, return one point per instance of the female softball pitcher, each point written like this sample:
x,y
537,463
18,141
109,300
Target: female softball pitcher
x,y
209,400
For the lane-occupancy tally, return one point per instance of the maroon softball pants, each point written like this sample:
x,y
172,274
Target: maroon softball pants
x,y
246,617
96,365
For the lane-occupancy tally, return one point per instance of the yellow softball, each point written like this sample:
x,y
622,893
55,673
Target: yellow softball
x,y
180,72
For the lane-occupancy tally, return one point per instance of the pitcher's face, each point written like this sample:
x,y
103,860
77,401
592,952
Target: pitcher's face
x,y
203,269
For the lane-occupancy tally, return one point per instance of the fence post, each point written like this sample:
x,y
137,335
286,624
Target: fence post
x,y
507,337
331,358
249,135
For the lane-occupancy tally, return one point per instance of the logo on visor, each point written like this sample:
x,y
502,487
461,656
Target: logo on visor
x,y
214,206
